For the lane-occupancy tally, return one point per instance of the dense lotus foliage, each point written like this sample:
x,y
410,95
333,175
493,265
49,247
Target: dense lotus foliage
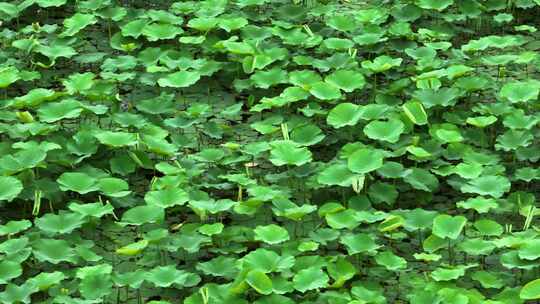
x,y
269,152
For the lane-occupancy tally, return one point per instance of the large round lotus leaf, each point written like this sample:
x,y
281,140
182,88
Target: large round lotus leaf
x,y
418,219
304,78
488,279
10,187
165,276
53,251
481,121
9,270
77,22
488,227
366,295
95,286
446,226
309,279
262,259
79,82
259,281
56,111
211,229
421,179
8,75
271,234
166,198
530,250
231,24
336,174
438,5
347,218
479,204
390,261
493,185
346,80
414,110
143,214
358,243
161,31
520,91
365,160
307,135
344,114
78,182
45,280
385,130
180,79
287,152
266,79
530,291
13,227
12,246
219,267
325,91
116,139
448,274
91,209
60,223
381,63
477,246
16,293
113,187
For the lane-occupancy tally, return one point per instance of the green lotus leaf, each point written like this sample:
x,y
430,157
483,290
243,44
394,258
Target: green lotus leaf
x,y
79,83
530,291
477,246
520,91
438,5
50,3
211,229
444,97
91,209
203,24
133,248
336,174
66,109
95,286
479,204
338,43
78,182
488,279
421,179
53,251
287,152
494,186
143,214
219,267
309,279
529,250
389,130
14,227
304,78
9,270
161,31
344,114
343,219
448,273
166,198
60,223
365,160
381,63
16,293
264,260
418,219
307,135
10,187
116,139
266,79
271,234
359,243
513,139
446,226
481,121
488,227
133,28
259,281
77,22
179,79
34,98
347,80
325,91
56,51
165,276
8,75
415,112
239,48
231,24
392,222
13,246
113,187
390,261
518,120
46,280
341,271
